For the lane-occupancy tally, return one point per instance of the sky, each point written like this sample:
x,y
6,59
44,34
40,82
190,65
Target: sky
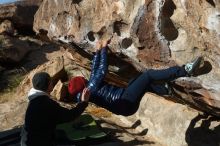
x,y
6,1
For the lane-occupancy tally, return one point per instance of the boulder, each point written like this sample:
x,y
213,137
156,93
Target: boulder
x,y
75,64
198,34
174,124
197,96
141,30
55,68
6,27
144,33
12,49
21,14
60,91
69,22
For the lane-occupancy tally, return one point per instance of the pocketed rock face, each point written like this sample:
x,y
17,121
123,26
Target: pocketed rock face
x,y
198,26
131,24
145,33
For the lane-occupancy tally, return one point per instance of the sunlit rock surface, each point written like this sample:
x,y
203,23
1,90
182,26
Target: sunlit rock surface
x,y
84,22
174,124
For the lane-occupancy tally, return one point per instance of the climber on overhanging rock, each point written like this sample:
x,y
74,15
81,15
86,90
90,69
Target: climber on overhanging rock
x,y
43,114
125,101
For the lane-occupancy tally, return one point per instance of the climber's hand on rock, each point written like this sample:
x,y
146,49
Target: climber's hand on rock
x,y
85,95
98,46
105,42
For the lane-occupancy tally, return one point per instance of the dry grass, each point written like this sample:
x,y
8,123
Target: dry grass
x,y
9,93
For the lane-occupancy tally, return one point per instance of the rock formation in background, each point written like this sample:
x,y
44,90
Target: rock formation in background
x,y
12,50
145,33
20,13
16,19
7,27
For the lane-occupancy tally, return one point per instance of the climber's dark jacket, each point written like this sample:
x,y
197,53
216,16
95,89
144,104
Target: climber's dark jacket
x,y
102,93
125,101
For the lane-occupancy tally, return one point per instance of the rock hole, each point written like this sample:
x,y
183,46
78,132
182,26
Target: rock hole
x,y
117,26
167,27
211,2
43,35
102,31
43,31
141,48
91,36
126,42
76,1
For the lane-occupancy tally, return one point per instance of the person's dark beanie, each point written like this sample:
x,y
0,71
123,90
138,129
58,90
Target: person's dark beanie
x,y
41,81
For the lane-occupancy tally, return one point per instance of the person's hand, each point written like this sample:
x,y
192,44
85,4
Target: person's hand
x,y
98,46
85,95
105,42
102,44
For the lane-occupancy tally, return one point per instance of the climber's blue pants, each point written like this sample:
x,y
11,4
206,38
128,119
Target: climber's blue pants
x,y
144,83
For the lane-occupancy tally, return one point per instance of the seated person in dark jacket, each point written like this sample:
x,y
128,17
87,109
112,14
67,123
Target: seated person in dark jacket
x,y
43,113
125,101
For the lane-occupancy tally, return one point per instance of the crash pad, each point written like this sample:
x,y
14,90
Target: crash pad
x,y
81,129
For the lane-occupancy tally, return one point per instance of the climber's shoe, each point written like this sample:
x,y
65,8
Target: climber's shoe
x,y
191,67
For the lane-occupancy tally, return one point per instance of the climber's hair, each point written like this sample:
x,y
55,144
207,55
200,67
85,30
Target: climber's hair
x,y
41,81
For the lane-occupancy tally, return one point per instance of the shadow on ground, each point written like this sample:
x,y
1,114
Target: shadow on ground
x,y
125,136
204,134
